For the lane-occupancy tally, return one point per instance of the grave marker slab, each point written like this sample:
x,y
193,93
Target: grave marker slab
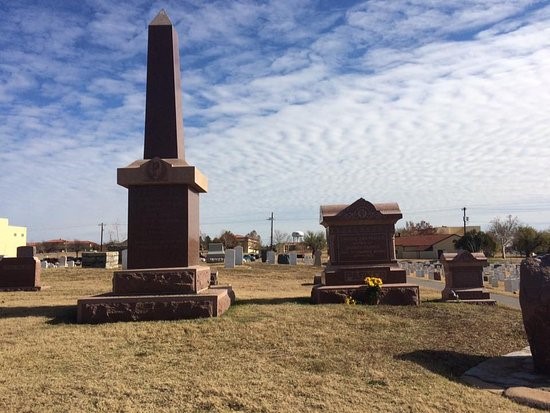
x,y
229,258
238,255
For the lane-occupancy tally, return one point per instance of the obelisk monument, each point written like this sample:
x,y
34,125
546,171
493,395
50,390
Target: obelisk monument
x,y
164,279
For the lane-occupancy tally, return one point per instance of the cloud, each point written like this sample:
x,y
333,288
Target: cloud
x,y
287,106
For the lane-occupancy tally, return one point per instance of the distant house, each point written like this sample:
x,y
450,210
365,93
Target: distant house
x,y
424,246
11,237
456,230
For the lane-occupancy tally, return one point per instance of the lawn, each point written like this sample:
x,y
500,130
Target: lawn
x,y
271,352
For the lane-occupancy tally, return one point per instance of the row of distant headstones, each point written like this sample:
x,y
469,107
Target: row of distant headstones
x,y
233,257
507,273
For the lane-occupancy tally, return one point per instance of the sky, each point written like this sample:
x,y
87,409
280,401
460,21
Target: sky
x,y
287,105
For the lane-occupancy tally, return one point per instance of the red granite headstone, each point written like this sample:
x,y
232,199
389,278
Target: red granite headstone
x,y
361,243
464,276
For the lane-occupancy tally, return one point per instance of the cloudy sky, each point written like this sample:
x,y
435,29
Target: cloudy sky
x,y
288,104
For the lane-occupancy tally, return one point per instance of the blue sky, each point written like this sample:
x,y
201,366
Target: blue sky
x,y
288,104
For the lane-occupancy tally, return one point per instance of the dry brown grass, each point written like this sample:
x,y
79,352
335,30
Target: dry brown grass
x,y
271,352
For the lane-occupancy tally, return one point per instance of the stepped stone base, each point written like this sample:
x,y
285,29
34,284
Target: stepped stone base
x,y
391,294
108,308
182,280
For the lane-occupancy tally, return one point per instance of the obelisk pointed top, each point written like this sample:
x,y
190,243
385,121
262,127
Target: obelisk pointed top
x,y
161,19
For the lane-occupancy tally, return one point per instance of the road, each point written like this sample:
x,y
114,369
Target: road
x,y
504,300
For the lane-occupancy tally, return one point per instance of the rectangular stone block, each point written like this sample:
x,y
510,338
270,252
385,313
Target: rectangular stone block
x,y
109,308
100,259
391,294
185,280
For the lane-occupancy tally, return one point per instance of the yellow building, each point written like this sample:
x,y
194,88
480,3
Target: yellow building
x,y
10,238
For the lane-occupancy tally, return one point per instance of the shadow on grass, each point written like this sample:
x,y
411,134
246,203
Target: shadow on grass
x,y
450,364
274,301
57,314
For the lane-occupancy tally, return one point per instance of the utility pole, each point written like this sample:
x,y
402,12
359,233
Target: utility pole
x,y
101,242
464,218
271,219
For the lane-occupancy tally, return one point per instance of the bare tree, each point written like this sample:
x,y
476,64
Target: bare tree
x,y
419,228
504,231
280,238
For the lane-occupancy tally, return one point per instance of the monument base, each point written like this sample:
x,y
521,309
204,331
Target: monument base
x,y
355,274
109,308
391,294
157,294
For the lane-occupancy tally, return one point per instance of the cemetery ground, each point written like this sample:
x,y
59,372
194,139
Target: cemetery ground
x,y
270,352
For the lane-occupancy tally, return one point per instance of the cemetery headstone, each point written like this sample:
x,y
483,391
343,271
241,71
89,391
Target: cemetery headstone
x,y
464,277
164,279
238,255
62,263
271,257
361,244
124,257
21,273
534,299
215,252
317,258
293,258
229,258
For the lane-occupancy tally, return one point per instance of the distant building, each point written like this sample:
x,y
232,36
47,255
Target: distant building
x,y
11,237
250,245
424,246
456,230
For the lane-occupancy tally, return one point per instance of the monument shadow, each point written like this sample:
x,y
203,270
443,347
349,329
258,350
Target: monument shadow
x,y
449,364
57,314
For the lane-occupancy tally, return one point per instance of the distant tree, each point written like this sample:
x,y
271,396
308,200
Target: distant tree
x,y
528,240
315,240
504,231
77,246
50,246
474,241
228,239
254,235
204,241
419,228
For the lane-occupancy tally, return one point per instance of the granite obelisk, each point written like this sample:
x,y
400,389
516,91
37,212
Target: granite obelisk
x,y
163,190
164,279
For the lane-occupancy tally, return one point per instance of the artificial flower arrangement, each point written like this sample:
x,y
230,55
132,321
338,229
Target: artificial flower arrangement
x,y
374,287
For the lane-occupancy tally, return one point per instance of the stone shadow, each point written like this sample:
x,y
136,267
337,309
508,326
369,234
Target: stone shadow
x,y
450,364
274,301
57,314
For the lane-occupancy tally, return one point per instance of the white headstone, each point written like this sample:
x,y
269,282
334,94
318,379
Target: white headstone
x,y
238,255
44,264
317,259
293,258
508,285
494,282
515,284
270,257
62,261
124,256
70,264
229,258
